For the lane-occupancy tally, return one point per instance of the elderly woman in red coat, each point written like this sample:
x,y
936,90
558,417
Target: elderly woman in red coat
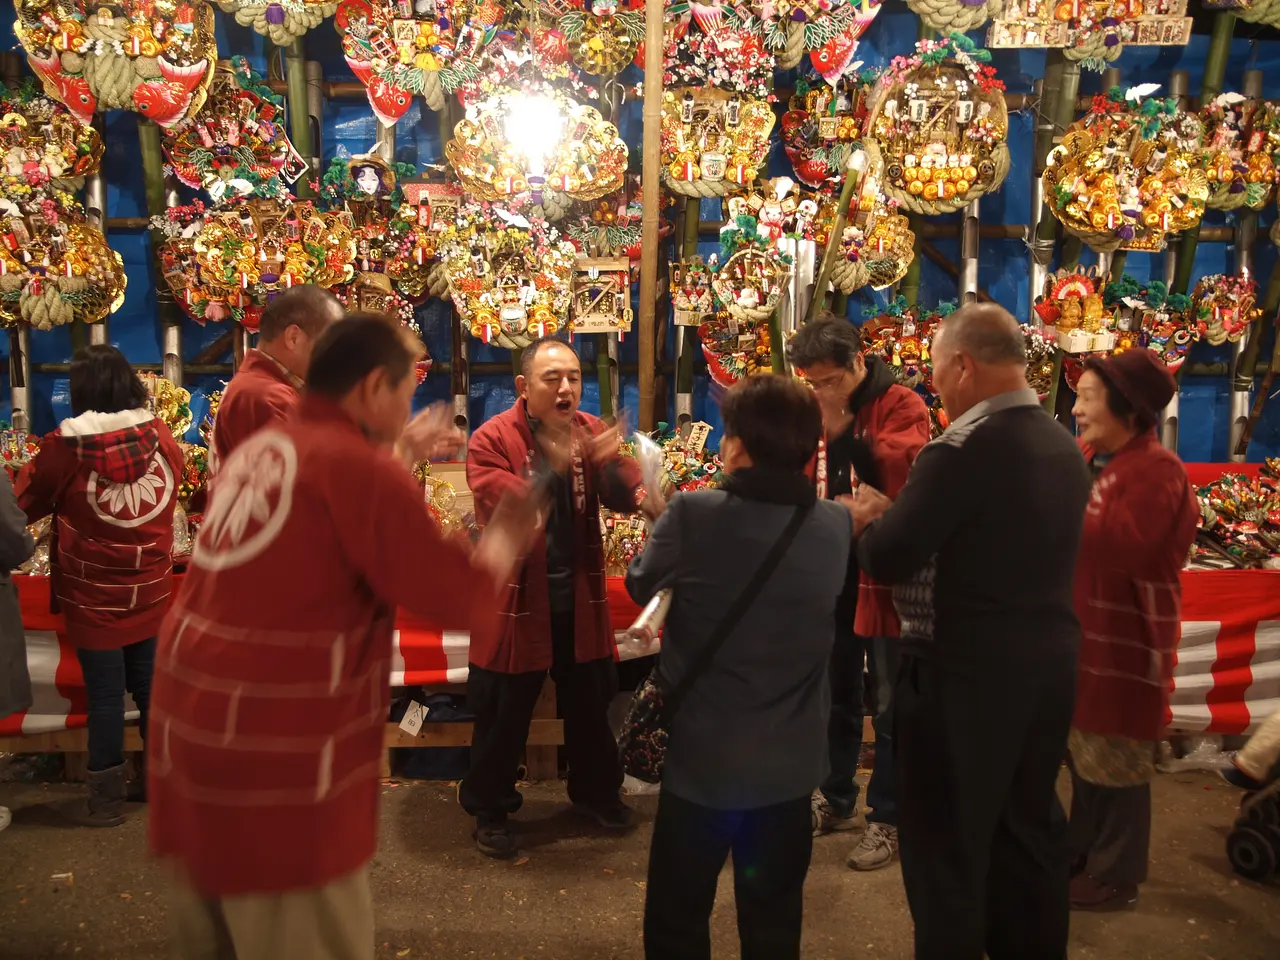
x,y
1138,529
109,476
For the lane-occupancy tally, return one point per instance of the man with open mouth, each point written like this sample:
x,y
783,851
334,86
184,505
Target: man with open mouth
x,y
558,615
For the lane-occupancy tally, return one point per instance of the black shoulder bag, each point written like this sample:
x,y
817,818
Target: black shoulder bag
x,y
643,744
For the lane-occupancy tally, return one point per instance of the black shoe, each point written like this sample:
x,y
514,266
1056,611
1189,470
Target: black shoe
x,y
493,838
614,815
1238,778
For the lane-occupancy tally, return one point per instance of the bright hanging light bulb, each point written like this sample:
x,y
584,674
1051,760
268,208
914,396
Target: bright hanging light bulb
x,y
535,126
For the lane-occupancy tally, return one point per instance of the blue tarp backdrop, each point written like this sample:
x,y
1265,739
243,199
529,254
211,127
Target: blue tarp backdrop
x,y
1003,268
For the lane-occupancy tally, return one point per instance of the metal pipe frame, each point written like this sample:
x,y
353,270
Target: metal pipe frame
x,y
969,254
1246,235
1169,416
95,202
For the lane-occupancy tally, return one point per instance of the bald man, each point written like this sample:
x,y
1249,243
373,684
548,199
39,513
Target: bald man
x,y
980,546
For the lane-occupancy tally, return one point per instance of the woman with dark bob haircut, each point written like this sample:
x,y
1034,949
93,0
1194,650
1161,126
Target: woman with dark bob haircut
x,y
109,477
748,743
1138,529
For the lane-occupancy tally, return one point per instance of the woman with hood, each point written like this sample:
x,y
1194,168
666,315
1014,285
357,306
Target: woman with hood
x,y
109,477
1138,528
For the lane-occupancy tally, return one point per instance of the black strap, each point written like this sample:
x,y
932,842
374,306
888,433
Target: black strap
x,y
737,609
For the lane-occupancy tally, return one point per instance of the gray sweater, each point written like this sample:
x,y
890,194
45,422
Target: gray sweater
x,y
753,730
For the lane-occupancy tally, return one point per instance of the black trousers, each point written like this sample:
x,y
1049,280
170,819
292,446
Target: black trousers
x,y
771,847
844,726
503,705
1110,831
107,675
981,832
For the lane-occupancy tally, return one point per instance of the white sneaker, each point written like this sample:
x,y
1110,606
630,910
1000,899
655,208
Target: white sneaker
x,y
876,849
826,820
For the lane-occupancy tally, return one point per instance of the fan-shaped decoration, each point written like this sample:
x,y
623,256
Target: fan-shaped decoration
x,y
1125,174
939,125
401,49
154,57
237,144
393,235
712,140
600,37
1224,307
44,145
280,21
228,263
1073,309
1237,157
510,278
532,142
820,129
1093,31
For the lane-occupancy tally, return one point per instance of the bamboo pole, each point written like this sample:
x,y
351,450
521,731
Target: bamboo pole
x,y
651,201
1169,417
852,176
607,343
688,336
95,201
159,199
295,73
1119,260
1215,69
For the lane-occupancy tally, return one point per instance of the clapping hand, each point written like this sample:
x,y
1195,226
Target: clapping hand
x,y
509,535
604,445
431,434
865,506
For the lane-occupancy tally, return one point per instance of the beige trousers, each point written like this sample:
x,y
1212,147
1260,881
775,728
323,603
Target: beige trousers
x,y
333,922
1262,752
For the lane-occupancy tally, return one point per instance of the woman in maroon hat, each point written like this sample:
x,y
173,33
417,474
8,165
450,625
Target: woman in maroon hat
x,y
1138,529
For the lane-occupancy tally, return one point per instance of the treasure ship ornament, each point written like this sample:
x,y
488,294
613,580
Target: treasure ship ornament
x,y
1236,157
1094,32
939,126
712,141
510,277
529,143
280,21
401,49
237,144
154,57
1127,175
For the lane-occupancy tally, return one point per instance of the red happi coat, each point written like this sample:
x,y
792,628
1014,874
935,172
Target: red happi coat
x,y
111,482
499,461
271,682
261,393
1138,529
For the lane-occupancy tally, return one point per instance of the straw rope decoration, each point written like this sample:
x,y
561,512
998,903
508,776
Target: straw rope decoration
x,y
280,21
1238,156
939,127
955,16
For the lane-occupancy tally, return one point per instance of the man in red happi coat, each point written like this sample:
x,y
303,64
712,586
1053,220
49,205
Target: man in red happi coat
x,y
271,680
557,619
265,388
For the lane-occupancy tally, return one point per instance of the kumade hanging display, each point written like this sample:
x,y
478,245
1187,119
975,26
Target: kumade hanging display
x,y
1224,307
154,57
601,37
1237,155
401,49
1148,317
237,145
529,143
510,276
727,52
751,280
821,128
43,144
280,21
1127,174
1074,312
1092,31
939,126
827,31
712,141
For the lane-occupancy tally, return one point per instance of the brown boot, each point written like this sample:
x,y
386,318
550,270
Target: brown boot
x,y
103,806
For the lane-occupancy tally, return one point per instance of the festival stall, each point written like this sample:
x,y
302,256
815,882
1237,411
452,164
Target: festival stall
x,y
493,173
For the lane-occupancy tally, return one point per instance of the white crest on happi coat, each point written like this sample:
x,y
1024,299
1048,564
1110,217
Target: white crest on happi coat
x,y
250,503
132,504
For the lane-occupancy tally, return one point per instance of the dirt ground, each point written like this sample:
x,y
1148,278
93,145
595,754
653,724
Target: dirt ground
x,y
578,894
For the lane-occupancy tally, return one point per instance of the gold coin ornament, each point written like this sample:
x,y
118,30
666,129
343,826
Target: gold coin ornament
x,y
280,21
43,144
237,145
1224,307
154,57
229,262
1238,155
1094,32
402,49
529,143
712,141
1127,174
939,126
610,226
169,402
510,277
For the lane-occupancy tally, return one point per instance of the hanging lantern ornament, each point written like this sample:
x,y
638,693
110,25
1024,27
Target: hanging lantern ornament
x,y
712,141
401,49
939,126
1094,32
1126,174
154,57
531,143
1237,156
280,21
237,146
